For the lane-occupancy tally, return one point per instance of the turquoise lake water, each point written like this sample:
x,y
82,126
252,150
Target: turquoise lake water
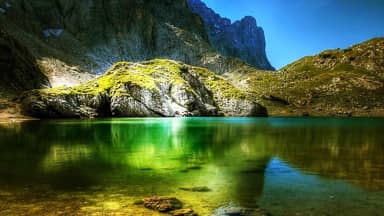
x,y
287,166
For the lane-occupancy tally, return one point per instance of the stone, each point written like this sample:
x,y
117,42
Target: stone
x,y
162,204
239,211
305,114
184,212
196,189
138,202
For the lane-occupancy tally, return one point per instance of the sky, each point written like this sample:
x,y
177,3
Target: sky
x,y
298,28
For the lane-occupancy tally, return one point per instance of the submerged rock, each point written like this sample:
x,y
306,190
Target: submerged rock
x,y
162,204
184,212
138,202
153,88
194,168
239,211
196,189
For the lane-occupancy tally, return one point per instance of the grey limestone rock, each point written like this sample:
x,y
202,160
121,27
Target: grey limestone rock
x,y
243,39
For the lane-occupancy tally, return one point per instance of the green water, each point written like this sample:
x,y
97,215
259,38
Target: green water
x,y
288,166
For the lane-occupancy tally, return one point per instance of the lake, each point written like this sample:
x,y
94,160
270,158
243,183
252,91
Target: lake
x,y
286,166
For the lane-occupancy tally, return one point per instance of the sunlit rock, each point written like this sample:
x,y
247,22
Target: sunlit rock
x,y
148,89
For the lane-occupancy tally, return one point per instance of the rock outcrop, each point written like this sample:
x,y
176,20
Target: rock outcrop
x,y
348,82
242,39
153,88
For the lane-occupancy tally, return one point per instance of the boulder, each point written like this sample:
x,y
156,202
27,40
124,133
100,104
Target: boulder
x,y
184,212
162,204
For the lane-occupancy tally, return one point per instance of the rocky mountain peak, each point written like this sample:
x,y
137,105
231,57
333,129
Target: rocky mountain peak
x,y
213,21
249,20
243,39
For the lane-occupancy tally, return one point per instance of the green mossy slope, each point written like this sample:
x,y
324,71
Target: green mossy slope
x,y
158,87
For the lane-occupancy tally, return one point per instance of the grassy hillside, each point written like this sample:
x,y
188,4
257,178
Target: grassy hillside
x,y
335,82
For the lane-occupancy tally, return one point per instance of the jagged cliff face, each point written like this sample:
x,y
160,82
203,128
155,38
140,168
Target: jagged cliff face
x,y
90,35
242,39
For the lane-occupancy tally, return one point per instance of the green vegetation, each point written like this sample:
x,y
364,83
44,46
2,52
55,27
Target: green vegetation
x,y
335,82
157,87
219,85
149,75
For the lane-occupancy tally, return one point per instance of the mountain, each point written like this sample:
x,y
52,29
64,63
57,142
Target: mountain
x,y
242,39
69,38
153,88
341,82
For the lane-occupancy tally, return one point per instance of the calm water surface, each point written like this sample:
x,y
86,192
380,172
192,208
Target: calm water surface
x,y
288,166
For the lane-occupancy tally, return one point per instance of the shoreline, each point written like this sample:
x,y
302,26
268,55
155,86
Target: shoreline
x,y
19,119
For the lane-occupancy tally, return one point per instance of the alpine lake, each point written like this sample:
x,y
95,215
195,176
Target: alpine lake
x,y
285,166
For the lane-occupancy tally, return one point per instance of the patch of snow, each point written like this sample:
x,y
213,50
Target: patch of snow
x,y
57,32
2,10
46,33
7,5
53,32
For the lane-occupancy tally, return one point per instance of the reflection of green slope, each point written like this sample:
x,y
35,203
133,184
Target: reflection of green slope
x,y
176,143
154,155
144,156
